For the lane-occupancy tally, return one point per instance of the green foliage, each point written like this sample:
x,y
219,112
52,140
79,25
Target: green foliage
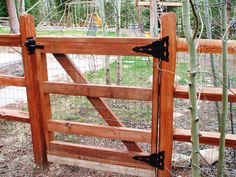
x,y
3,9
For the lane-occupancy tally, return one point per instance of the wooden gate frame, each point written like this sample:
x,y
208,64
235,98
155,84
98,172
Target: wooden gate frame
x,y
107,46
124,47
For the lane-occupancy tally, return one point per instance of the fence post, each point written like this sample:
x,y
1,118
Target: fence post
x,y
168,28
27,29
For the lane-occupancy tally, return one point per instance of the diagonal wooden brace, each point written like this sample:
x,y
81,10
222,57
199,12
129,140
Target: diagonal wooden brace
x,y
98,103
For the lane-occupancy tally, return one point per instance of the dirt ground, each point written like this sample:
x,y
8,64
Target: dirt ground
x,y
16,156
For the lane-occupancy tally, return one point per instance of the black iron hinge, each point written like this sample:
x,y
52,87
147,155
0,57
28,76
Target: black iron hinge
x,y
158,49
156,160
31,45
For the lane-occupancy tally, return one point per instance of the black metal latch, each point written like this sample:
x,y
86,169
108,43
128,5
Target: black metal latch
x,y
155,160
31,45
158,49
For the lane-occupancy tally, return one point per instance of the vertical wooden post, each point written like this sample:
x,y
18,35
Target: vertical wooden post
x,y
155,97
168,28
45,104
27,29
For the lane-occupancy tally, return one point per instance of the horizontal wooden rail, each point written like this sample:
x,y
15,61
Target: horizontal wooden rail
x,y
14,115
210,138
59,159
206,93
121,46
130,134
121,133
110,46
131,93
93,46
12,40
207,46
6,80
93,90
99,154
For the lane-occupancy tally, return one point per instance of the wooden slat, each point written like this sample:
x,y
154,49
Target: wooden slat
x,y
121,46
211,138
207,46
145,94
97,45
12,40
98,103
168,28
99,154
155,100
101,166
121,133
27,29
12,80
93,90
41,76
14,115
206,93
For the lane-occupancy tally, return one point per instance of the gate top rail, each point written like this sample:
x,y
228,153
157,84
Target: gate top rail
x,y
122,46
112,46
10,40
93,46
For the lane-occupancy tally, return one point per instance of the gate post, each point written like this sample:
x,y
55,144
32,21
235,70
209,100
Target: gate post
x,y
168,28
27,29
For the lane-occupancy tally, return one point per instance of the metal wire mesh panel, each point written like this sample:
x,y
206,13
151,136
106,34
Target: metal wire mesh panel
x,y
136,71
12,97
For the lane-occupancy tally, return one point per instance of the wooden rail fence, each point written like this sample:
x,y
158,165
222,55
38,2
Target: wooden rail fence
x,y
162,134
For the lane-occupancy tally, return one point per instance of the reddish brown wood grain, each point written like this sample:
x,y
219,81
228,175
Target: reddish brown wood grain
x,y
168,28
10,40
120,133
14,115
7,80
27,29
99,154
95,90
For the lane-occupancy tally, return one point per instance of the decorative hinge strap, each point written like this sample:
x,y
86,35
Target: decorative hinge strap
x,y
31,45
156,159
158,49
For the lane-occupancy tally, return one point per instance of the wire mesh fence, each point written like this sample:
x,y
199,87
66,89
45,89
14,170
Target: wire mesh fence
x,y
136,71
12,97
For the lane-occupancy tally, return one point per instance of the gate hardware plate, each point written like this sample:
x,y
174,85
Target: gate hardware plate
x,y
31,45
158,49
155,159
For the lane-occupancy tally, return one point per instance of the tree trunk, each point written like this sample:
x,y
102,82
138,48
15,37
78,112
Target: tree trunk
x,y
107,60
22,7
224,114
153,18
119,58
14,22
213,68
192,88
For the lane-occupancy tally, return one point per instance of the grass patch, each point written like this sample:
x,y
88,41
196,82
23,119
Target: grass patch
x,y
137,71
4,30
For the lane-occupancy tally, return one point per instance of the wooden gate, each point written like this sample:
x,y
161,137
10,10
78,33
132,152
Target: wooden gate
x,y
161,95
